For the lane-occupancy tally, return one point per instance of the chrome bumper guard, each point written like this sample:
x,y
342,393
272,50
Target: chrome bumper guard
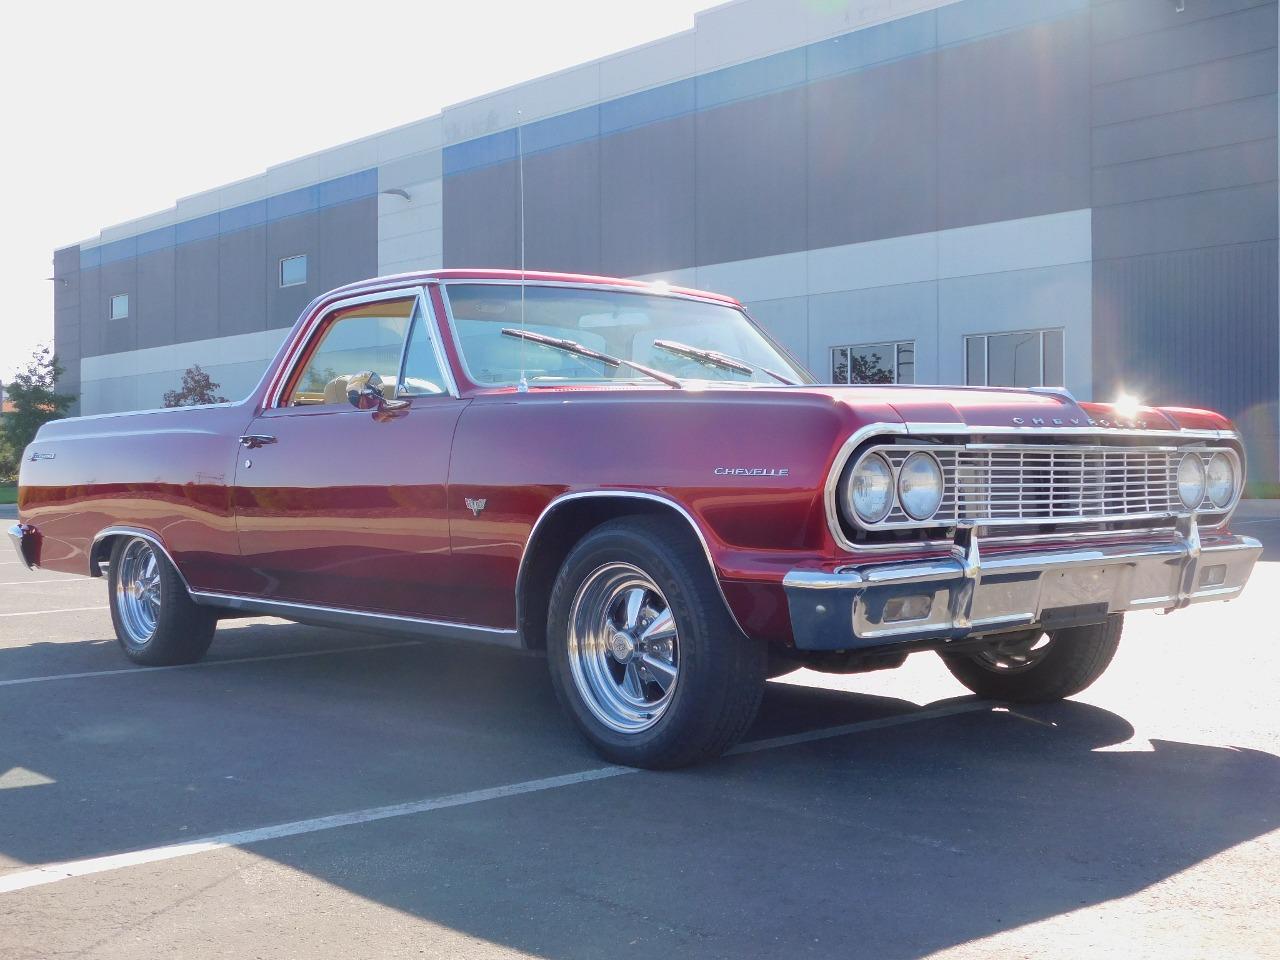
x,y
971,594
22,537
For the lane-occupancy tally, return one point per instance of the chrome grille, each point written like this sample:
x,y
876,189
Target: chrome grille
x,y
1011,484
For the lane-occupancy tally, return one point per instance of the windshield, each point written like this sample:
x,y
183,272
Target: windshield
x,y
614,323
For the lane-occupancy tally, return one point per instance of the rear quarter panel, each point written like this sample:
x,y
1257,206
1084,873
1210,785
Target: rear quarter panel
x,y
168,472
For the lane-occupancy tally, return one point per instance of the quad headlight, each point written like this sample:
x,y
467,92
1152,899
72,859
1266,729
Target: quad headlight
x,y
868,490
1220,480
920,486
1191,480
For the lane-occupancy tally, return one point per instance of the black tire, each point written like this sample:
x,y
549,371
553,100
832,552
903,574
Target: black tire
x,y
1072,660
717,691
182,630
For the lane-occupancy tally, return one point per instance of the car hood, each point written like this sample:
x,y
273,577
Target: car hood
x,y
1012,407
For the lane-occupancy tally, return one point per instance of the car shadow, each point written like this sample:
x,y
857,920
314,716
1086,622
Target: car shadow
x,y
893,843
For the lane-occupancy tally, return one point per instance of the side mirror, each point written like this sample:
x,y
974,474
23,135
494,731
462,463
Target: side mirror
x,y
364,392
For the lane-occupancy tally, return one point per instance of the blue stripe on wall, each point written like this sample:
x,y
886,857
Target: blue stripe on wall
x,y
882,43
354,186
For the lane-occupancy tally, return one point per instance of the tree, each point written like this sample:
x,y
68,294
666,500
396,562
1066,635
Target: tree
x,y
869,369
33,392
197,389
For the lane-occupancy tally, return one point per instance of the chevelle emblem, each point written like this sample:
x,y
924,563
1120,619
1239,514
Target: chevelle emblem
x,y
1077,422
475,506
752,472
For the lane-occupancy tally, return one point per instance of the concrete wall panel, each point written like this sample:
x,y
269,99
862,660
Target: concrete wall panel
x,y
647,198
562,209
872,154
751,178
242,282
196,291
1014,125
481,213
156,298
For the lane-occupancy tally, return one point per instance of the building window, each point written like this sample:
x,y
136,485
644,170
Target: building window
x,y
874,363
119,306
1031,358
293,271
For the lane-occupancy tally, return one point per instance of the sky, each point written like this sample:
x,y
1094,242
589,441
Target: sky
x,y
111,111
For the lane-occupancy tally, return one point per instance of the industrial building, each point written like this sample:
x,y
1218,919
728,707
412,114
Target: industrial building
x,y
1029,192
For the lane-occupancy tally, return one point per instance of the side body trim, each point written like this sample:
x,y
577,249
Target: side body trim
x,y
360,620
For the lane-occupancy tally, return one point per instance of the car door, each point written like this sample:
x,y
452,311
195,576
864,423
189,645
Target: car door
x,y
345,508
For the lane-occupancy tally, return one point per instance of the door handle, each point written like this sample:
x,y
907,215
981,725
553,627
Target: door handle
x,y
255,440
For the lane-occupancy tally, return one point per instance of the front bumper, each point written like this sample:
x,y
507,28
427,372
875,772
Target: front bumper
x,y
23,537
970,594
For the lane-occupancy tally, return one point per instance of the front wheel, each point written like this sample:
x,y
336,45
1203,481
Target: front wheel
x,y
1038,667
643,654
156,621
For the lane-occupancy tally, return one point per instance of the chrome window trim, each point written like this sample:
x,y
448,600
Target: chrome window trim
x,y
830,492
95,569
615,288
302,342
344,616
626,494
446,372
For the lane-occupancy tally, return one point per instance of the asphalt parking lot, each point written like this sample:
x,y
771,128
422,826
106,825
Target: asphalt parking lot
x,y
314,793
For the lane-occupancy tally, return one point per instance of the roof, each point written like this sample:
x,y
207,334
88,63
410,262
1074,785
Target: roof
x,y
534,276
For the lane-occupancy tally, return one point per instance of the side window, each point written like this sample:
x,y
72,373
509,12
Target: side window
x,y
355,339
422,375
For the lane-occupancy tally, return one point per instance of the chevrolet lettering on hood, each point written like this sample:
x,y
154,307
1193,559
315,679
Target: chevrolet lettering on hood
x,y
1078,422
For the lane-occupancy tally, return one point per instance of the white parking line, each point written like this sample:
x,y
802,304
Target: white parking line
x,y
38,613
143,671
54,872
69,578
79,868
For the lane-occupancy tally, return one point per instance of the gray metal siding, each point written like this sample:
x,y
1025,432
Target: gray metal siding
x,y
242,280
223,285
954,135
872,154
750,161
196,288
290,237
562,209
348,246
1185,200
481,214
1014,125
1192,328
647,195
155,314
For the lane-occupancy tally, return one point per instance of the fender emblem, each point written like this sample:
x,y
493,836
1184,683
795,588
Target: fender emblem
x,y
752,471
475,506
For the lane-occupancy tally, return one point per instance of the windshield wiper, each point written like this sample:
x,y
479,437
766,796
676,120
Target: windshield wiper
x,y
581,350
714,358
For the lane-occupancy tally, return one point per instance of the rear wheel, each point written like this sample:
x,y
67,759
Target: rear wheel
x,y
1039,667
156,621
643,654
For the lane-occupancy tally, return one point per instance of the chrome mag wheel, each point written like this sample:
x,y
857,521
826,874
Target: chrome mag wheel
x,y
138,592
624,650
1016,655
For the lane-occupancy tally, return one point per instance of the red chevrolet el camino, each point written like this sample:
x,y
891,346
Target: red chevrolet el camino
x,y
638,481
